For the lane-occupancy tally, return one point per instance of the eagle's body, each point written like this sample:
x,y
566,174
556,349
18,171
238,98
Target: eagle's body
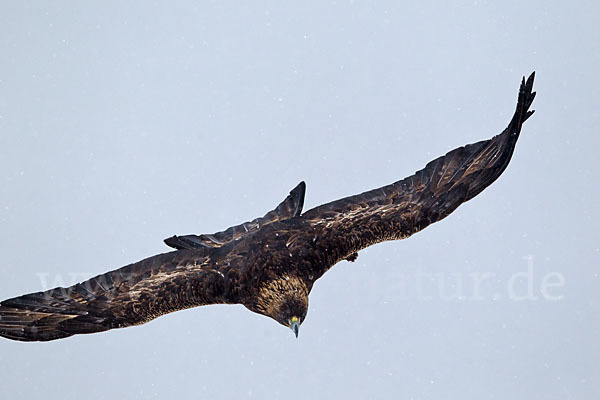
x,y
269,264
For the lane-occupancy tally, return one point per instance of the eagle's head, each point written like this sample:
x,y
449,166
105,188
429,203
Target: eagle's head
x,y
284,299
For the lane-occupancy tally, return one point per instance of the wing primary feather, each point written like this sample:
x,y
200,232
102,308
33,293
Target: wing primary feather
x,y
128,296
399,210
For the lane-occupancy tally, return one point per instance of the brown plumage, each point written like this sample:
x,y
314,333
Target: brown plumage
x,y
269,264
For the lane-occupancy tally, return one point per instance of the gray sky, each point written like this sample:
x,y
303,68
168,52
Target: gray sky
x,y
121,125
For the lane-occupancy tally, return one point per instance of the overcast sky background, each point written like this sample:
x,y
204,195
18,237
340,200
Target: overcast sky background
x,y
123,124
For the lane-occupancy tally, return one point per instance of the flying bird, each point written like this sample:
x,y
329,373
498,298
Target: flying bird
x,y
269,264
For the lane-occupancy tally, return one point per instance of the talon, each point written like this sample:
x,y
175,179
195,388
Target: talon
x,y
352,257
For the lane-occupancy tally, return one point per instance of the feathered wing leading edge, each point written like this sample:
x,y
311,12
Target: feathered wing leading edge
x,y
398,210
131,295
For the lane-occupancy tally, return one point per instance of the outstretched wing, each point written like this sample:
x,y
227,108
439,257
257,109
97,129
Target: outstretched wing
x,y
288,208
131,295
396,211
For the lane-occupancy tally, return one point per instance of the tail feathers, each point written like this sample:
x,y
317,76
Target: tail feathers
x,y
290,207
47,316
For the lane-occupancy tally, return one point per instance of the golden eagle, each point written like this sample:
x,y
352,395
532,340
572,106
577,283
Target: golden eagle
x,y
271,263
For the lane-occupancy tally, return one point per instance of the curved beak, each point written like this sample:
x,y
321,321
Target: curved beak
x,y
295,327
